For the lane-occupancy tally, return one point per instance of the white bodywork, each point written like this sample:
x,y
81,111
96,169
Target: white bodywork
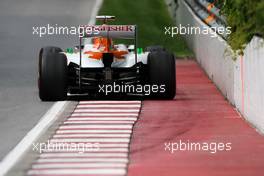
x,y
88,62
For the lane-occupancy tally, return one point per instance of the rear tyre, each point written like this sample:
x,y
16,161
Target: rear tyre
x,y
154,48
161,66
52,80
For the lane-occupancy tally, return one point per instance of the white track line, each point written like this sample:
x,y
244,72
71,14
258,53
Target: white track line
x,y
97,122
92,131
95,127
78,165
82,140
78,172
102,118
108,149
117,145
105,114
110,102
82,155
105,145
90,135
105,110
109,106
95,10
81,160
14,155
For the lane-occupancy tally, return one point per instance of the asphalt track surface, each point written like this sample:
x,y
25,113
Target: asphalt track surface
x,y
20,107
198,114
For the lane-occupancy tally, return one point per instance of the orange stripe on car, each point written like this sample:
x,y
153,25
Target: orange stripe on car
x,y
94,55
99,55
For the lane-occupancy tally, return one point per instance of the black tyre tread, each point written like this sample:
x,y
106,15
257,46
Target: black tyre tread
x,y
52,74
162,71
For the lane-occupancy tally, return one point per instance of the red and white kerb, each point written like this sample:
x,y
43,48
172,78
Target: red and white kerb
x,y
107,123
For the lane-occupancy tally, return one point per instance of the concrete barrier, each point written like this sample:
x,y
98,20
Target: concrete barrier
x,y
241,79
249,83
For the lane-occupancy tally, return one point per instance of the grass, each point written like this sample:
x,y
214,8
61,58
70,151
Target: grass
x,y
151,16
246,19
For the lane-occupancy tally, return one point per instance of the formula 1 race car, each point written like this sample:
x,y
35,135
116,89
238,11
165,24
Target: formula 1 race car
x,y
97,66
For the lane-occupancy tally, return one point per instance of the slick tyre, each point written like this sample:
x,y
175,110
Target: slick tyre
x,y
52,81
161,72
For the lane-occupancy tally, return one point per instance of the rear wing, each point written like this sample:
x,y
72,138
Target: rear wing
x,y
111,31
108,31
